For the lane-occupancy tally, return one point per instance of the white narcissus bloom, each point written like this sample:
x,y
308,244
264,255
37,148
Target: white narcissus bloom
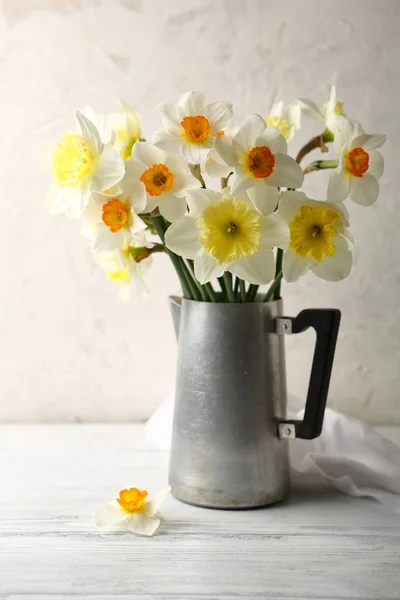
x,y
131,512
164,179
285,119
122,128
360,164
257,152
319,239
327,114
192,126
225,233
81,163
111,219
121,266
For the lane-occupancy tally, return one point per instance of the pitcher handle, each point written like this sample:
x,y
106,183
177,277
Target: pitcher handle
x,y
326,324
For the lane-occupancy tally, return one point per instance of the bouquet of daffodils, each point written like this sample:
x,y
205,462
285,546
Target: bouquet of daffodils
x,y
223,198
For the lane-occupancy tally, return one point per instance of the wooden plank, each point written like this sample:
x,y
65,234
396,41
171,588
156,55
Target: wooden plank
x,y
317,545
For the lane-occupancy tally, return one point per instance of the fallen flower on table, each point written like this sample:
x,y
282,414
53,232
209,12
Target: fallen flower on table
x,y
131,512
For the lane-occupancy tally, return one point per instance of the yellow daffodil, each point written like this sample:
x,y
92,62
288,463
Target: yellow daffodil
x,y
80,164
131,511
225,233
319,239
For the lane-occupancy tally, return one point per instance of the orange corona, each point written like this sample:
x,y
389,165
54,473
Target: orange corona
x,y
261,162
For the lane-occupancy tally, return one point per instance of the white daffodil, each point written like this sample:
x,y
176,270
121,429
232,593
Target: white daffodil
x,y
81,163
111,219
126,267
192,126
327,114
257,152
360,165
163,178
224,233
319,239
131,512
122,129
285,119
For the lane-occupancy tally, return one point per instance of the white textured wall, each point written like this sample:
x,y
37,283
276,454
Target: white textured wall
x,y
70,350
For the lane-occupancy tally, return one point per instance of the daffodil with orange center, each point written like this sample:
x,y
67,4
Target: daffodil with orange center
x,y
224,232
80,164
319,238
164,179
360,164
112,218
132,511
192,126
258,155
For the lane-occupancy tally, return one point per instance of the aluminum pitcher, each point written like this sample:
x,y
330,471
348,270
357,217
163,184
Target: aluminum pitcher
x,y
230,432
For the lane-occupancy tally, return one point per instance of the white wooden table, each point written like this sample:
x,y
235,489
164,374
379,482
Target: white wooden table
x,y
317,545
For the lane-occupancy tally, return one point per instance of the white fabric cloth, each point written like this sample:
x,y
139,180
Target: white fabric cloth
x,y
349,454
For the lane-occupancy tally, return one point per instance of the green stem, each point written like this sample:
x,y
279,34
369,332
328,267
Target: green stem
x,y
252,292
160,227
278,271
210,292
317,165
223,288
193,285
228,283
242,290
236,288
273,288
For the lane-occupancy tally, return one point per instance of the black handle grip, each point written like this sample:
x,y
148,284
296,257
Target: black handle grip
x,y
326,324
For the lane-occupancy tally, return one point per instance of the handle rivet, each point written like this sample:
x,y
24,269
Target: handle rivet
x,y
284,327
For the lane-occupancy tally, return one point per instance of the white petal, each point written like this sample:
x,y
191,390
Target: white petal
x,y
110,516
137,195
148,154
192,104
338,187
274,232
251,129
286,172
310,110
64,200
258,268
344,129
264,197
170,117
110,169
151,203
289,204
376,164
137,225
273,139
168,142
90,134
196,153
215,169
142,525
171,207
219,115
240,183
152,507
109,261
224,147
105,240
199,199
338,266
276,110
369,142
364,190
133,172
295,266
94,210
206,267
183,180
182,237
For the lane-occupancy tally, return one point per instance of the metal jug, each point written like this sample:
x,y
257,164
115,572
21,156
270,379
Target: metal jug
x,y
230,433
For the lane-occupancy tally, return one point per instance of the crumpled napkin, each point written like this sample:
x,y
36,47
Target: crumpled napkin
x,y
349,454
